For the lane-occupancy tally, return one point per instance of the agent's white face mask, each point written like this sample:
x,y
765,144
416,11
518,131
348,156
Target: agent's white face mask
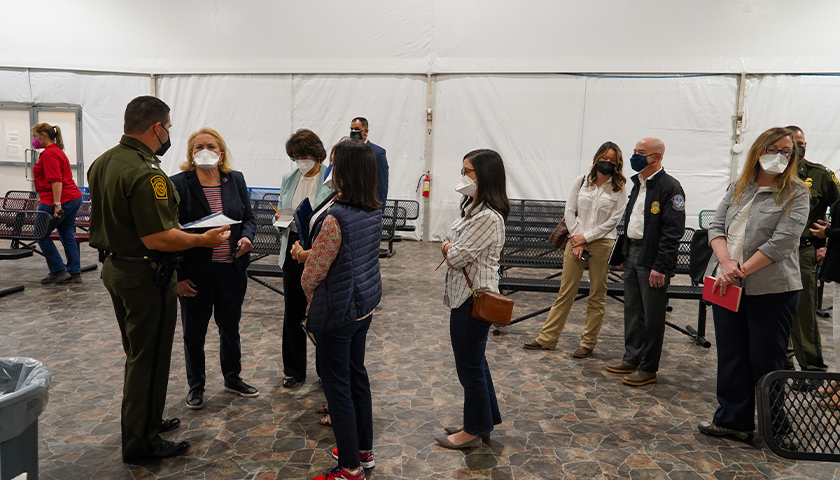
x,y
773,164
305,165
466,186
206,159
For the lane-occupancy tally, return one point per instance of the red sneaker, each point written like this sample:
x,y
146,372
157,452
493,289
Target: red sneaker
x,y
365,459
339,473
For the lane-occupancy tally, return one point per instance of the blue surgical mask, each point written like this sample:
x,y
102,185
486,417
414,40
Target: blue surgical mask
x,y
638,162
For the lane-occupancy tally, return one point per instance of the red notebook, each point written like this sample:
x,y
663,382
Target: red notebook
x,y
732,299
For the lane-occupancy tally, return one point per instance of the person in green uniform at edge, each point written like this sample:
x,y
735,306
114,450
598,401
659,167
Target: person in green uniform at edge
x,y
824,189
134,220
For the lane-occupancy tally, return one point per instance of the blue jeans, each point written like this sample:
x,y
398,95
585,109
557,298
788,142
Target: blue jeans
x,y
66,227
469,339
341,355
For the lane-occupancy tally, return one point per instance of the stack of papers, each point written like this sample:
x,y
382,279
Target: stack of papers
x,y
287,216
217,219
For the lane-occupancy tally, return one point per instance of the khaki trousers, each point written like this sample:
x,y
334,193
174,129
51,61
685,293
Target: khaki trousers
x,y
569,282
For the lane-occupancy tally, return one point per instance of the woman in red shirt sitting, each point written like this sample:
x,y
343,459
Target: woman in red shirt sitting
x,y
61,198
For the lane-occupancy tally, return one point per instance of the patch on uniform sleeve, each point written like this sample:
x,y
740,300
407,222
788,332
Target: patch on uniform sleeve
x,y
654,207
159,186
679,203
809,182
834,177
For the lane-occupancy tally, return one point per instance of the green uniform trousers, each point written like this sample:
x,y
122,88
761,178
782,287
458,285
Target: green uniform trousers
x,y
805,343
147,337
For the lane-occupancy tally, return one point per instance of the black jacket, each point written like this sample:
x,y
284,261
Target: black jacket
x,y
236,204
830,271
664,222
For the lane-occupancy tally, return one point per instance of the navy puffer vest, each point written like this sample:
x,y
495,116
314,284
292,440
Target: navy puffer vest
x,y
353,286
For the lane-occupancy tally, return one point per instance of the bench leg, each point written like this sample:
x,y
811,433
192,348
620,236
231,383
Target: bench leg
x,y
11,290
267,285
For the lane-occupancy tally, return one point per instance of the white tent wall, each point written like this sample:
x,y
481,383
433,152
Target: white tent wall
x,y
256,114
811,102
548,127
103,98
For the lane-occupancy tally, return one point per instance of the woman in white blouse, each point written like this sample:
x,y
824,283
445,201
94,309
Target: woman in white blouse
x,y
594,208
472,247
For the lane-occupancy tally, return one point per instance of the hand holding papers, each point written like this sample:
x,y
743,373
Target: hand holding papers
x,y
284,218
214,220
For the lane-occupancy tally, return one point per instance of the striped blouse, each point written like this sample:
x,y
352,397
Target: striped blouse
x,y
222,253
477,243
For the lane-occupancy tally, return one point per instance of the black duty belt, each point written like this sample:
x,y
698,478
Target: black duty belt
x,y
125,258
636,242
806,242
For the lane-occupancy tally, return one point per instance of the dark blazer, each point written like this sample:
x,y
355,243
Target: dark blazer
x,y
830,271
236,204
381,173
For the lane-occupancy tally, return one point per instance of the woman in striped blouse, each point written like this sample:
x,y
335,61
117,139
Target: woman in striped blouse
x,y
473,245
212,282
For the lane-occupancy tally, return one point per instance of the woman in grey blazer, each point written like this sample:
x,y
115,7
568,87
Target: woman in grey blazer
x,y
755,238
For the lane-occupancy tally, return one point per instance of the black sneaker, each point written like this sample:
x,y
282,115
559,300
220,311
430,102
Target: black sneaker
x,y
195,399
242,389
55,277
74,278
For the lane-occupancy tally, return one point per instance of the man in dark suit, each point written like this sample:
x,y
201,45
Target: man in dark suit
x,y
359,129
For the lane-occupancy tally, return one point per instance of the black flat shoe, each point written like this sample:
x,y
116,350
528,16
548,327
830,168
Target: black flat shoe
x,y
290,382
169,425
166,450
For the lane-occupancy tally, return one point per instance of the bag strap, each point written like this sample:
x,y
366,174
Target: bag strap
x,y
469,283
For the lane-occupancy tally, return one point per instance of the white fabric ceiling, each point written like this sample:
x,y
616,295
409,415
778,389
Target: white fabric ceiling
x,y
438,36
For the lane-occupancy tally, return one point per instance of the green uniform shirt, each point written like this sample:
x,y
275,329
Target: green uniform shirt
x,y
824,190
131,197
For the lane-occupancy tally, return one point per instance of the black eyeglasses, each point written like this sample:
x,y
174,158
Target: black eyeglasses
x,y
772,150
465,171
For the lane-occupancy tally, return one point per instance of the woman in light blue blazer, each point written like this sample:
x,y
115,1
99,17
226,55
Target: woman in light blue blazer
x,y
306,181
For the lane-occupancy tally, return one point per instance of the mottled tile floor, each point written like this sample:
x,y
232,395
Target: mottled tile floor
x,y
563,418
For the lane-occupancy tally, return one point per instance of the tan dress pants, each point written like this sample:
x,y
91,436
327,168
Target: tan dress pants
x,y
569,282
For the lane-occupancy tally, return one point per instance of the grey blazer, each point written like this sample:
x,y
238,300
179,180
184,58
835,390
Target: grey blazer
x,y
771,229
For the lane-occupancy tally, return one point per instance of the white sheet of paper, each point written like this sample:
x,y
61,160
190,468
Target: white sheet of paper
x,y
287,216
212,221
12,136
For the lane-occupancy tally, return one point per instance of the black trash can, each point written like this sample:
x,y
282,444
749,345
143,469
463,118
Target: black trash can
x,y
24,392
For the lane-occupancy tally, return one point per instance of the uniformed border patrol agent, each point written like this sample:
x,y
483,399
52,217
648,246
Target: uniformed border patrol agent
x,y
824,190
655,220
134,220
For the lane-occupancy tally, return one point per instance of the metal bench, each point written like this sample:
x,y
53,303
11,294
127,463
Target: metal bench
x,y
392,219
24,228
527,230
266,242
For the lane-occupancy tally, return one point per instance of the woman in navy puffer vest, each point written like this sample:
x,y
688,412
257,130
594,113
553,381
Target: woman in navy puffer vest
x,y
342,283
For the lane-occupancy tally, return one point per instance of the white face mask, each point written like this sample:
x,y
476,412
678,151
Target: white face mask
x,y
466,186
305,165
328,182
773,164
206,159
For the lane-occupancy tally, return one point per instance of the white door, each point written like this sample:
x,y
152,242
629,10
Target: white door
x,y
66,121
16,152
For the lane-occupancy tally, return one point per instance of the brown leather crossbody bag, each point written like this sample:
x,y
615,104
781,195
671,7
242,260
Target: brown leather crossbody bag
x,y
490,307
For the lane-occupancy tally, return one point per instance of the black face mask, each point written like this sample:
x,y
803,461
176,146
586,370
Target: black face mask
x,y
355,134
164,146
800,152
605,168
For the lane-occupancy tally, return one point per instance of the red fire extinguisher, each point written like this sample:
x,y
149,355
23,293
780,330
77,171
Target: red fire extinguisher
x,y
426,181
